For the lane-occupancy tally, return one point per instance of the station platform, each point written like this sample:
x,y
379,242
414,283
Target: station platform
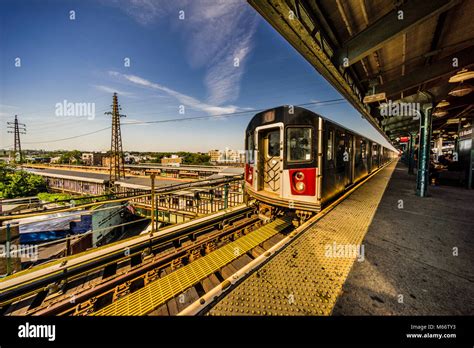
x,y
410,266
379,243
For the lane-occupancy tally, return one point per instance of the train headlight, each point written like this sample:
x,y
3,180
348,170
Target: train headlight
x,y
249,177
299,176
300,186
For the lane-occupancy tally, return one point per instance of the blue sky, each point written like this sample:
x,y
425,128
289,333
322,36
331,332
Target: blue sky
x,y
174,62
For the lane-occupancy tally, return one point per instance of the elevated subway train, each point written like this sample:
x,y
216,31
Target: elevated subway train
x,y
297,160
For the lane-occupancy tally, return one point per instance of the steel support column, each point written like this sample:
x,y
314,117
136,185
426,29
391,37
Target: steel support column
x,y
424,149
411,152
226,196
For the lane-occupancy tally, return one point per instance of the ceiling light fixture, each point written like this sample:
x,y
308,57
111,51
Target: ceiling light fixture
x,y
461,90
439,113
443,103
452,121
461,76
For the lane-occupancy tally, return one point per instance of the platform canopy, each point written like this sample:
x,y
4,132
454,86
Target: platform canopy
x,y
378,53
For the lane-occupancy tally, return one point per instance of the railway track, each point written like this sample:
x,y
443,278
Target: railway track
x,y
29,291
173,291
179,270
112,288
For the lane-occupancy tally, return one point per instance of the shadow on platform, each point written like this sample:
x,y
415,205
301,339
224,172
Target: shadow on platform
x,y
419,254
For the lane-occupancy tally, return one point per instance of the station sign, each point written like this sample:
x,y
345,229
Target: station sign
x,y
374,98
465,133
269,116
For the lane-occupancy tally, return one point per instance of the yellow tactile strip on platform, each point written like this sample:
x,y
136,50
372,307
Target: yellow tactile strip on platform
x,y
307,277
161,290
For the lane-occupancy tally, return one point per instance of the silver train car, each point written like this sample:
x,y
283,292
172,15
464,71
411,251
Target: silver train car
x,y
298,160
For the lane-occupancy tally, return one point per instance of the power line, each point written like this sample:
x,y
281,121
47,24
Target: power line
x,y
73,137
272,85
237,113
223,115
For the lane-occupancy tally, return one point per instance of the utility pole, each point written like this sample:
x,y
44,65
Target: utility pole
x,y
116,167
17,129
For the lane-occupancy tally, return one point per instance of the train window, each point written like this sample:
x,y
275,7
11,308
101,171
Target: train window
x,y
250,142
274,143
358,153
250,149
298,144
330,145
340,150
363,148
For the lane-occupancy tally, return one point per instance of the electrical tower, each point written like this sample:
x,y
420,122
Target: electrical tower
x,y
116,167
17,129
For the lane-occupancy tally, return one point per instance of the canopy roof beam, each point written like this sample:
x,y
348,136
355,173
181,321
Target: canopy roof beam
x,y
393,24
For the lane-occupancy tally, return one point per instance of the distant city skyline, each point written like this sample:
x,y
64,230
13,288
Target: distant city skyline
x,y
172,63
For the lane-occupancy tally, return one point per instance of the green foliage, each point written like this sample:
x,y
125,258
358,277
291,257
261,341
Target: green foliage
x,y
53,197
194,158
71,157
4,171
160,155
19,183
63,198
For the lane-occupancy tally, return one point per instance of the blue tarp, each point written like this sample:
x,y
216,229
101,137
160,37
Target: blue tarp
x,y
44,228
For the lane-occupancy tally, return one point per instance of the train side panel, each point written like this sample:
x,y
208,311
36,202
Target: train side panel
x,y
299,160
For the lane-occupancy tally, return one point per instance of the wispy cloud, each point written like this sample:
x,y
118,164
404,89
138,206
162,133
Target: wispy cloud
x,y
217,34
108,89
5,110
182,98
146,12
220,36
6,106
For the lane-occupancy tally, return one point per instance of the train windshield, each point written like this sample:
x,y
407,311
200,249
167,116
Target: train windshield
x,y
298,146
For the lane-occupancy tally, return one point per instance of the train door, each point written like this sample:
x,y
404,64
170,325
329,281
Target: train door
x,y
370,167
375,156
270,161
381,155
349,160
341,160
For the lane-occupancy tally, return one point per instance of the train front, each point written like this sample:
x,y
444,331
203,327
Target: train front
x,y
281,170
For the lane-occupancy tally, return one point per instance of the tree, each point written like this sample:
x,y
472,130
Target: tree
x,y
188,157
160,155
194,158
19,183
4,171
71,157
